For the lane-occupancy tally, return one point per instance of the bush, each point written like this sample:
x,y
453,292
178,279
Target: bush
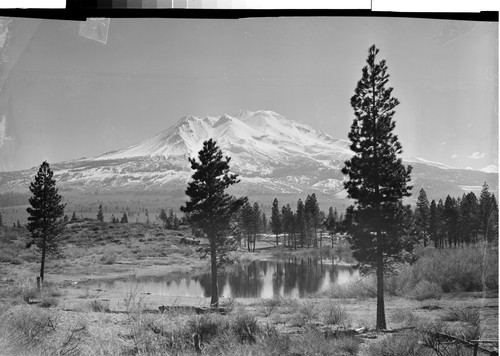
x,y
362,288
99,306
334,314
245,327
207,326
425,290
404,344
453,270
48,302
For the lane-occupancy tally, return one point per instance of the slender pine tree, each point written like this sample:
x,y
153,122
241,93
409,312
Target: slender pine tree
x,y
276,220
100,216
210,208
44,213
422,216
377,178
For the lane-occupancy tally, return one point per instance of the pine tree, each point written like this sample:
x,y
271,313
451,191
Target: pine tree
x,y
300,223
377,178
287,215
450,220
73,217
422,216
1,219
124,219
246,217
492,227
276,220
210,208
312,216
468,218
484,210
100,216
46,208
433,223
256,222
264,223
163,216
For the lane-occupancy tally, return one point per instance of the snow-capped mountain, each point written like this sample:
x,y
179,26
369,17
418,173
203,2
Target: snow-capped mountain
x,y
272,154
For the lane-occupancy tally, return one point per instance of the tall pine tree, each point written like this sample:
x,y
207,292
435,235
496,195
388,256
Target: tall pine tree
x,y
44,214
377,178
210,208
422,216
276,220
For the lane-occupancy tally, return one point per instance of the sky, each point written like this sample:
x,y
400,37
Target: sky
x,y
65,96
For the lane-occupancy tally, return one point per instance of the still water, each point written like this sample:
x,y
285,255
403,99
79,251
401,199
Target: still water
x,y
292,277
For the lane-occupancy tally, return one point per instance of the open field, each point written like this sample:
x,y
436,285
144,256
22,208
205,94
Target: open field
x,y
70,318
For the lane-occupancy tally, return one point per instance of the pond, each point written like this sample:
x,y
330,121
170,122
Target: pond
x,y
291,277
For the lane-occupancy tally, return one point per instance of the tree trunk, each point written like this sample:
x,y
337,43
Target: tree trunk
x,y
214,302
381,324
277,240
42,264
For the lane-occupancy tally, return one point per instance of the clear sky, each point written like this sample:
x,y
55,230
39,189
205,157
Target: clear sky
x,y
72,96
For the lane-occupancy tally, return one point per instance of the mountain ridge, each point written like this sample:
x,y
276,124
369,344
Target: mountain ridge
x,y
272,154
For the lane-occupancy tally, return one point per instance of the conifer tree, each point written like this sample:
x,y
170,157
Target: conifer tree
x,y
163,216
312,216
100,216
288,219
468,218
45,210
422,216
1,219
246,217
256,222
210,208
276,220
377,178
492,226
18,224
300,223
124,219
451,217
484,210
73,217
433,223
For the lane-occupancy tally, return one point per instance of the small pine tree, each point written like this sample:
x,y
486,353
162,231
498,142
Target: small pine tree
x,y
484,210
46,208
422,216
210,208
100,216
73,217
276,220
163,216
300,223
124,219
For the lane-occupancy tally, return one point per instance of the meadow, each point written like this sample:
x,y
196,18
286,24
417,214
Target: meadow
x,y
452,292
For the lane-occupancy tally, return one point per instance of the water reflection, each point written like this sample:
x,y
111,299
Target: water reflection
x,y
260,279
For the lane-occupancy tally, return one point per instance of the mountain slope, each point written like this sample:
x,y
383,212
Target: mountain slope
x,y
272,154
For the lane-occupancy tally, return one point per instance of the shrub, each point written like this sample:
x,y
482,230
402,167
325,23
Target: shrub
x,y
461,269
404,316
270,305
309,310
99,306
48,302
109,258
245,327
425,290
404,344
334,314
362,288
207,326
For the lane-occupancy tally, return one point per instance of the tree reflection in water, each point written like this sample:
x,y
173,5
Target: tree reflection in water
x,y
290,277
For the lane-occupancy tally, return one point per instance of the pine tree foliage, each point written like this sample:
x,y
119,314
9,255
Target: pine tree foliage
x,y
300,223
100,215
422,216
276,220
44,213
124,219
163,216
377,178
210,208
